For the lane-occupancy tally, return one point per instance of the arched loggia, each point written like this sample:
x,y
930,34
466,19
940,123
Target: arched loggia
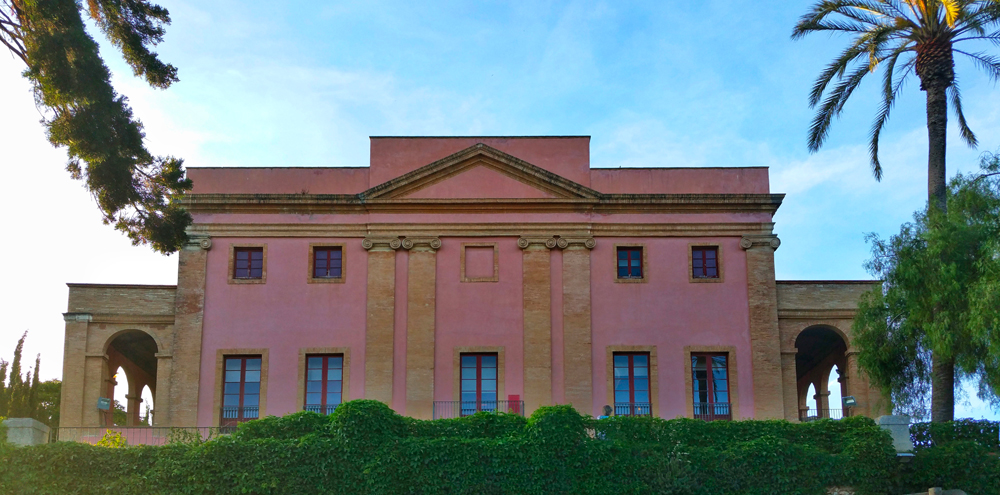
x,y
819,350
134,352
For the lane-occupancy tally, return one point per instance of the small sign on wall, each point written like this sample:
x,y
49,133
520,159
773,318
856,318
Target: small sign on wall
x,y
103,403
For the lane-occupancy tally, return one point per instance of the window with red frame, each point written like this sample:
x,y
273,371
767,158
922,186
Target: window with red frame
x,y
479,383
327,262
240,389
710,379
324,382
248,262
631,379
630,262
705,262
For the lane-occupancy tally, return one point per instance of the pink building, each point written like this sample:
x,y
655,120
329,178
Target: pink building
x,y
458,274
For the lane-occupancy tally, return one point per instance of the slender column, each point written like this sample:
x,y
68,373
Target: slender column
x,y
161,395
380,316
577,353
420,324
72,400
789,386
765,341
537,333
134,402
189,316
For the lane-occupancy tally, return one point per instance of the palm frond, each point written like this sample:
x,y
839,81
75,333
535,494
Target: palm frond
x,y
956,102
890,89
867,45
988,63
952,10
819,130
993,37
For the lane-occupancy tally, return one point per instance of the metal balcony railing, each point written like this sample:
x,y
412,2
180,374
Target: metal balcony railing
x,y
458,408
633,409
321,409
712,411
233,415
134,435
814,414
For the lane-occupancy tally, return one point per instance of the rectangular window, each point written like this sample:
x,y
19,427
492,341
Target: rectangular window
x,y
327,262
240,389
630,262
324,382
479,383
710,379
632,384
705,262
248,263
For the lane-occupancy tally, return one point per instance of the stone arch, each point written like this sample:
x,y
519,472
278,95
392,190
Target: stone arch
x,y
134,351
819,348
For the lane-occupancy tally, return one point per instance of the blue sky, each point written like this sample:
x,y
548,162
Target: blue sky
x,y
714,83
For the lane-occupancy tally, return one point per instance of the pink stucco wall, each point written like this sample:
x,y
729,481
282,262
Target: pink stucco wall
x,y
311,180
670,312
282,315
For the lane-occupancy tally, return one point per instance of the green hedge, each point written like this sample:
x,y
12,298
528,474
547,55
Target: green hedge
x,y
364,447
983,432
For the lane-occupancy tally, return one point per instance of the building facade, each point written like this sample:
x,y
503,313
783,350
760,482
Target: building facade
x,y
460,274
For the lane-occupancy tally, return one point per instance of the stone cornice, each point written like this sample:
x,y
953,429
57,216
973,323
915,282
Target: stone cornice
x,y
759,241
77,317
569,229
817,314
602,204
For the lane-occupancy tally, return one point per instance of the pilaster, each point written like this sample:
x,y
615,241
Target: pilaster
x,y
161,395
420,323
789,385
537,332
577,341
72,400
765,342
380,316
189,316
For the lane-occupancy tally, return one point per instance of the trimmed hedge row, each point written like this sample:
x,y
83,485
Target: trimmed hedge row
x,y
983,432
364,447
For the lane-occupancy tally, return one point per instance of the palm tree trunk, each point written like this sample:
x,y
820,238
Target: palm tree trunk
x,y
942,369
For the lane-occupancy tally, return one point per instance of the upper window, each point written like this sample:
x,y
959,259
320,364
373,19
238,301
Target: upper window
x,y
632,384
248,263
630,262
327,262
704,262
324,382
479,383
710,379
241,389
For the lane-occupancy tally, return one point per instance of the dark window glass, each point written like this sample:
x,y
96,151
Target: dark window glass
x,y
478,383
327,262
249,263
710,380
705,262
324,383
241,389
630,262
631,380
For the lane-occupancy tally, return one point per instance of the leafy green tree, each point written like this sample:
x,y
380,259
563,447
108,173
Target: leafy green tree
x,y
902,37
939,297
18,397
135,191
48,402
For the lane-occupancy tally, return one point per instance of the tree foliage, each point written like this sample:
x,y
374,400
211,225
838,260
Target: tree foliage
x,y
940,294
25,396
136,192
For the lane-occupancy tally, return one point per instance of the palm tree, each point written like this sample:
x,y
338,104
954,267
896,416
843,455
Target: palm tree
x,y
902,37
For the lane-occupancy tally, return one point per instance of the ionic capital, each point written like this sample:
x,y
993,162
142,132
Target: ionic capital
x,y
421,243
758,241
576,243
198,241
537,242
381,243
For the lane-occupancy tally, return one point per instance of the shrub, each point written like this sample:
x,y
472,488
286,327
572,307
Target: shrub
x,y
983,432
960,464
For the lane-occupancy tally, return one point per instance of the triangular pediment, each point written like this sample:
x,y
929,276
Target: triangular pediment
x,y
480,172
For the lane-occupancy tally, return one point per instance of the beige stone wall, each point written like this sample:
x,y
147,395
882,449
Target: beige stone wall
x,y
380,322
764,336
420,323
